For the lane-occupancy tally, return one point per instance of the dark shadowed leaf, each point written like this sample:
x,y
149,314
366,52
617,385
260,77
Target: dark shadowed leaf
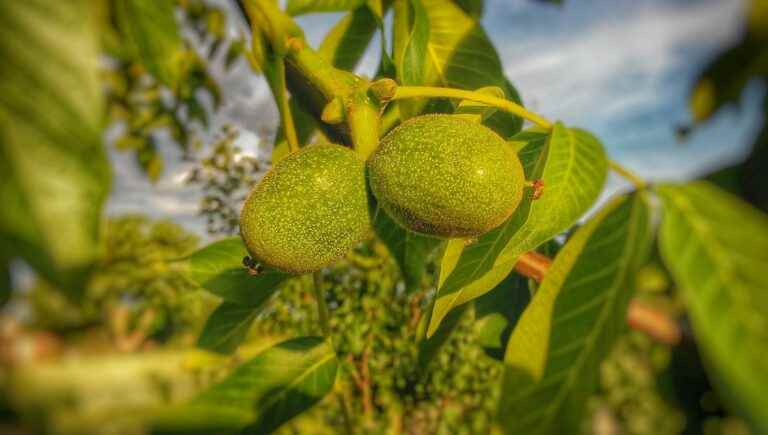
x,y
227,327
716,248
497,312
553,357
472,7
149,28
345,44
430,346
55,172
478,112
306,126
219,269
5,277
573,167
386,65
503,123
261,394
299,7
411,251
723,80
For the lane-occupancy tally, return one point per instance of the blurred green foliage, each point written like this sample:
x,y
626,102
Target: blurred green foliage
x,y
134,288
146,107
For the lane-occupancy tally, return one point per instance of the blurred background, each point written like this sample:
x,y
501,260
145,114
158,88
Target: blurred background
x,y
183,160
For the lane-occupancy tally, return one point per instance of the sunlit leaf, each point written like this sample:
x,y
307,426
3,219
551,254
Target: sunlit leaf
x,y
227,327
553,357
345,44
458,54
261,394
299,7
716,248
55,172
411,251
219,269
415,57
149,28
386,64
573,166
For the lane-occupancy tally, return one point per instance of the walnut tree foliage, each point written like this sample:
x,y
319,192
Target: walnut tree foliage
x,y
519,329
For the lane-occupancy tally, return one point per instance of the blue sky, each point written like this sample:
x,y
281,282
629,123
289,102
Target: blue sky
x,y
619,68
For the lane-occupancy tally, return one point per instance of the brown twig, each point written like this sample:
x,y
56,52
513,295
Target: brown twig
x,y
361,375
640,316
415,310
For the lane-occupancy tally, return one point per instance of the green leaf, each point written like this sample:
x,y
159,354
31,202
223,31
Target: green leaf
x,y
478,112
497,313
716,248
553,357
227,327
414,61
299,7
430,346
261,394
149,29
55,171
345,44
503,123
573,166
473,7
458,54
722,81
386,64
305,128
219,269
411,251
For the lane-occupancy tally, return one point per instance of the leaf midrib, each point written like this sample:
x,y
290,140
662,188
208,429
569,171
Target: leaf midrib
x,y
238,325
275,397
711,247
590,341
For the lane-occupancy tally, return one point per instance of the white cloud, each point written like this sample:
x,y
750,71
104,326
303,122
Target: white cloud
x,y
617,64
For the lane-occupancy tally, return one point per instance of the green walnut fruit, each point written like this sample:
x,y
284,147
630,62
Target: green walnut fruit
x,y
445,176
308,211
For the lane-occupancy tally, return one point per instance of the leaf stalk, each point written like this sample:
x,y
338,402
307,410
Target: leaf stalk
x,y
404,92
628,174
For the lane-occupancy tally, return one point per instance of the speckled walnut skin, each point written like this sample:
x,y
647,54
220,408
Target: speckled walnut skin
x,y
308,211
445,176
